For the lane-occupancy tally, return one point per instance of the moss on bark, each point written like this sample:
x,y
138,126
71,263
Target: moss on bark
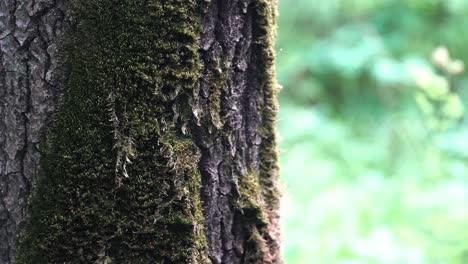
x,y
121,172
119,179
261,190
266,13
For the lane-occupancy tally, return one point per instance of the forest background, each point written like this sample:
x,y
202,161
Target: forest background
x,y
374,132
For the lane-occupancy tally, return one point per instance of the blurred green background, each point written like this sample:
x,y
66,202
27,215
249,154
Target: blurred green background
x,y
374,137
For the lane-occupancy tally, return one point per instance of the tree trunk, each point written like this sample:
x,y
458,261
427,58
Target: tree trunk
x,y
29,31
162,148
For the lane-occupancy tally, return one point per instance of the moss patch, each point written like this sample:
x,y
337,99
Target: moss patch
x,y
217,77
266,14
119,178
250,200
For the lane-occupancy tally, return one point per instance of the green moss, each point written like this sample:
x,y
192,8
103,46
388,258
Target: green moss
x,y
217,77
254,208
119,180
265,38
250,200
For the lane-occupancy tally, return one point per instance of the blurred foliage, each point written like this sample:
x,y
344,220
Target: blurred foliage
x,y
374,133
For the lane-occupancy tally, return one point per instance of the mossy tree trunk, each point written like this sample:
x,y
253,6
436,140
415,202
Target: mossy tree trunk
x,y
162,147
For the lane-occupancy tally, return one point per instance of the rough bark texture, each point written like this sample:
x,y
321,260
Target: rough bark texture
x,y
238,162
29,34
163,148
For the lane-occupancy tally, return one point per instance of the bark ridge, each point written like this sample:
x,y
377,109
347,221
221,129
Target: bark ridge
x,y
30,32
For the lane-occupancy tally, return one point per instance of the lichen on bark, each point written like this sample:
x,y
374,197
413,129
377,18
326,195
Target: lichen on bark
x,y
119,180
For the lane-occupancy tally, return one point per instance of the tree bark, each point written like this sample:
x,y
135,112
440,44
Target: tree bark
x,y
29,32
162,148
237,49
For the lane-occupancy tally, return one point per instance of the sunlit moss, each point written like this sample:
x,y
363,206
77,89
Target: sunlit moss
x,y
250,200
